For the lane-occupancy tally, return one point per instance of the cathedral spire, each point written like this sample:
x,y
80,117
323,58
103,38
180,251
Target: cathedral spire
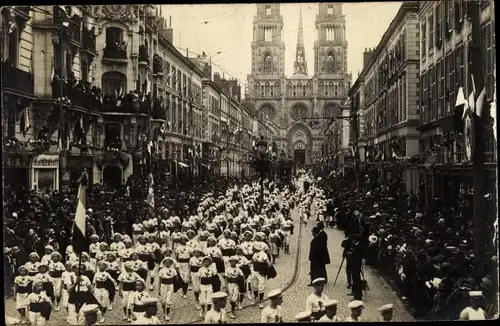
x,y
300,65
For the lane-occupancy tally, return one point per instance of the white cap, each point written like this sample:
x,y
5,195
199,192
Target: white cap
x,y
475,294
303,315
355,304
318,281
89,308
386,307
219,295
330,303
234,258
373,238
274,293
150,301
14,214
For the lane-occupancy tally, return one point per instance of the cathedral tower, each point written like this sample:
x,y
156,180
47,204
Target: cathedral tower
x,y
268,48
300,65
330,48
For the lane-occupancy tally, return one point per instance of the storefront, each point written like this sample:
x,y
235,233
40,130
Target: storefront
x,y
44,173
16,169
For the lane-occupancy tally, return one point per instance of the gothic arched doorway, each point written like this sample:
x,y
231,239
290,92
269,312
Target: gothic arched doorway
x,y
112,176
299,153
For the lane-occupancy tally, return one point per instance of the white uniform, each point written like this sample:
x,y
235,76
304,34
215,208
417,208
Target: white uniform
x,y
153,320
326,319
136,303
67,280
472,314
271,315
183,253
100,293
314,303
22,283
36,318
127,279
83,286
206,290
167,275
233,291
56,270
214,317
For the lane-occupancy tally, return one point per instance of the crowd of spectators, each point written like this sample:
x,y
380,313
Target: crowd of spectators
x,y
34,220
426,250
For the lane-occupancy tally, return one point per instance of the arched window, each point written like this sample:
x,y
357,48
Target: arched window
x,y
112,135
303,90
267,89
268,62
114,83
114,36
330,62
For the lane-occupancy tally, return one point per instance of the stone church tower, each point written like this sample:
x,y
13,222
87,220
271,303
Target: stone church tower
x,y
283,102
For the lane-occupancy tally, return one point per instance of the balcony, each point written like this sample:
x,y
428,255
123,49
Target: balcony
x,y
159,110
17,80
132,102
157,65
115,53
88,41
77,92
143,56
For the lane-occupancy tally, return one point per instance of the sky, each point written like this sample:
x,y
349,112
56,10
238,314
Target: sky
x,y
228,29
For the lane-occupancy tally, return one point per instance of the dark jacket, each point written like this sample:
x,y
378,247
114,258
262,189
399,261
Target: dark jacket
x,y
318,252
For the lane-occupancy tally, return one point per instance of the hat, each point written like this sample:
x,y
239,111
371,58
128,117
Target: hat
x,y
475,294
303,316
49,247
219,295
386,307
355,304
373,238
89,309
233,258
330,303
167,259
317,281
207,258
274,293
150,301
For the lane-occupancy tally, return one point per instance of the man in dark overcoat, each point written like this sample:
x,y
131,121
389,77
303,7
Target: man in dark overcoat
x,y
318,255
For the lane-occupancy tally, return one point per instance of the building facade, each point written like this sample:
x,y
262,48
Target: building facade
x,y
96,88
283,102
385,98
445,38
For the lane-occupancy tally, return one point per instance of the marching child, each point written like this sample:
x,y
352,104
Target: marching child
x,y
104,284
136,304
32,264
127,281
207,273
21,291
68,278
113,269
195,263
37,304
56,269
234,277
167,276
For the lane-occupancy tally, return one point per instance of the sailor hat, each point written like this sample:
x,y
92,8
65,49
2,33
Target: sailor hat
x,y
373,238
317,281
89,309
303,316
274,293
330,303
219,295
207,258
355,304
233,258
475,294
387,307
49,247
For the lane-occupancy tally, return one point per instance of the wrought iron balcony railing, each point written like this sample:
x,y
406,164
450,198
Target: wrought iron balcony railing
x,y
157,65
115,52
143,55
16,79
88,40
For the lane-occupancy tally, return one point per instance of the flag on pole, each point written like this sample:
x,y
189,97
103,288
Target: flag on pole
x,y
461,107
79,241
25,122
150,200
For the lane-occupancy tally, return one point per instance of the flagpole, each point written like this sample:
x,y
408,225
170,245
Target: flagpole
x,y
481,242
61,115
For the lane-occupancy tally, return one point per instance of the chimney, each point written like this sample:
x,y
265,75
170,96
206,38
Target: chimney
x,y
207,71
367,55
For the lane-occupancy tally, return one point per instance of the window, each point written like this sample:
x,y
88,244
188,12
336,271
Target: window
x,y
167,73
68,59
404,116
114,35
424,95
423,34
449,20
112,135
268,62
433,93
329,10
268,10
489,65
451,81
10,44
460,71
430,43
439,17
114,83
268,34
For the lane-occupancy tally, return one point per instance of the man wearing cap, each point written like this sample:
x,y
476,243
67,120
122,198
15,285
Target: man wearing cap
x,y
272,313
89,312
386,312
330,312
314,302
217,315
356,307
318,255
149,317
474,311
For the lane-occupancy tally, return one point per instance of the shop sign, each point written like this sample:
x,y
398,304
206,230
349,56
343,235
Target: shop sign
x,y
46,161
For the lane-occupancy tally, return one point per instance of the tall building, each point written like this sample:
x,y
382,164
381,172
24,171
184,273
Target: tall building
x,y
282,102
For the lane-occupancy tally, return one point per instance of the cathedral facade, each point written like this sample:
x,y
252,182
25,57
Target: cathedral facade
x,y
283,102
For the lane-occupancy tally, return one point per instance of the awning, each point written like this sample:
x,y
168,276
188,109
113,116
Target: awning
x,y
184,165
